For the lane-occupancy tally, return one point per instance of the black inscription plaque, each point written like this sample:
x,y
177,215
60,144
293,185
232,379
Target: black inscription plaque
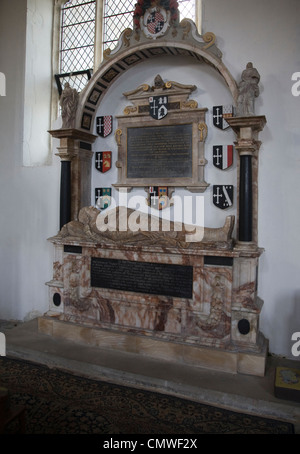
x,y
160,151
142,277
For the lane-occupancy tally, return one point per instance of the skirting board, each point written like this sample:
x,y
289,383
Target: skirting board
x,y
215,359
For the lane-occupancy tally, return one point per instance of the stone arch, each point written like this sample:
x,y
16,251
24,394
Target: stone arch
x,y
134,48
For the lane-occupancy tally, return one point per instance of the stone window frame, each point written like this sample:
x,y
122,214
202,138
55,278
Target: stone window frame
x,y
77,35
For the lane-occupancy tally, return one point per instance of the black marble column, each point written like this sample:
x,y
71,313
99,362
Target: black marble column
x,y
245,199
247,145
65,193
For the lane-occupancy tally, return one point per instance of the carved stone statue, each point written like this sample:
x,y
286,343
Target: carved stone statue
x,y
248,91
68,102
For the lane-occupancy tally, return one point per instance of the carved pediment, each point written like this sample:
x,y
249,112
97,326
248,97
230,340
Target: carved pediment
x,y
176,92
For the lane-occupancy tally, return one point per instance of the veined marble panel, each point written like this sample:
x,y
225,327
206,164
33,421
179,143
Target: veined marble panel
x,y
222,289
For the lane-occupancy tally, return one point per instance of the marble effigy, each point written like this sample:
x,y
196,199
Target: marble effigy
x,y
223,288
117,227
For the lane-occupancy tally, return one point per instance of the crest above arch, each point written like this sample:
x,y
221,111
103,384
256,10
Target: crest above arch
x,y
137,46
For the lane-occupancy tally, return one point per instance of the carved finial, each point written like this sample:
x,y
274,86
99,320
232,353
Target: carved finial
x,y
69,102
158,82
248,91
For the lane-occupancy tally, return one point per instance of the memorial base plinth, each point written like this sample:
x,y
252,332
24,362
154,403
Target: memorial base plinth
x,y
156,294
232,360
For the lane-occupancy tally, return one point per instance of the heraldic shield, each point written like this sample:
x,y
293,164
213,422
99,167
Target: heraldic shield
x,y
158,106
158,197
103,161
102,197
222,156
104,125
220,113
223,196
155,22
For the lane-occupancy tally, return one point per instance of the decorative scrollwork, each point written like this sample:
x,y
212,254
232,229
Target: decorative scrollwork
x,y
130,109
216,316
185,24
106,54
118,134
203,131
209,38
126,36
192,104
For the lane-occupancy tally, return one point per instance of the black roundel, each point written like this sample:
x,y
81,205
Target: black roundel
x,y
244,326
56,299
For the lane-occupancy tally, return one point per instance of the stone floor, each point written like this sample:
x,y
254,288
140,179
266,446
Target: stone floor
x,y
243,393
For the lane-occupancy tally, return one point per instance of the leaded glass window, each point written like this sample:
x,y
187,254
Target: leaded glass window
x,y
77,39
78,26
116,18
187,9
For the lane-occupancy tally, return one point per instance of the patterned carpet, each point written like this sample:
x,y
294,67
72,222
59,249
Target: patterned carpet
x,y
61,403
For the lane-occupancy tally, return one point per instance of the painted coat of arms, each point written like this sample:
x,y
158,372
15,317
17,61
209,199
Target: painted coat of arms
x,y
154,17
102,197
223,196
158,197
103,161
104,125
222,156
220,113
158,106
155,20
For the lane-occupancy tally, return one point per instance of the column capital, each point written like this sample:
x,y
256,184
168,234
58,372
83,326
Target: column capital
x,y
247,127
247,147
246,130
73,134
70,142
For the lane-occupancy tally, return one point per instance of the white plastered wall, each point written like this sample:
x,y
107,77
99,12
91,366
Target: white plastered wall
x,y
211,89
29,195
267,33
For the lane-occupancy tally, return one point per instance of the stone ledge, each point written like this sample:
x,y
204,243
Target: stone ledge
x,y
205,357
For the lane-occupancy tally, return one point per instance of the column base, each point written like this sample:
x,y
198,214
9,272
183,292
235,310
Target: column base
x,y
245,246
